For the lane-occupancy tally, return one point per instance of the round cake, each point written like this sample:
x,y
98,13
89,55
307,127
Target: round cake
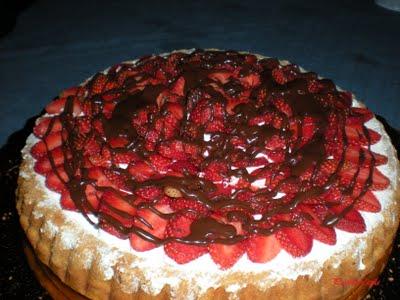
x,y
206,174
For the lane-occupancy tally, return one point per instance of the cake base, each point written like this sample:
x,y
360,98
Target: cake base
x,y
59,291
54,286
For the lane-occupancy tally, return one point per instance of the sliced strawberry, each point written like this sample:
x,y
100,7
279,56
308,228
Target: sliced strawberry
x,y
152,224
41,128
55,180
97,174
117,142
125,157
225,256
92,197
178,87
283,106
296,242
251,80
72,91
149,192
43,164
97,83
368,202
117,179
261,249
222,77
175,109
141,171
380,159
56,106
183,204
159,163
355,135
122,222
49,143
66,201
351,222
178,227
326,235
116,201
379,181
215,171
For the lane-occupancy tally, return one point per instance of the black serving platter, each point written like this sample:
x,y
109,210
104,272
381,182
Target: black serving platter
x,y
17,280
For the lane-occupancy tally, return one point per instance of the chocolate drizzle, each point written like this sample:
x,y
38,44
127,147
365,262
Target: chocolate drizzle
x,y
300,153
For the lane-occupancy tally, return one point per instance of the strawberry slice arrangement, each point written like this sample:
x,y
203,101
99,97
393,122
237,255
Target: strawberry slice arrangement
x,y
212,152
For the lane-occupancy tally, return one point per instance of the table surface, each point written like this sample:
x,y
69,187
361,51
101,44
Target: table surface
x,y
55,45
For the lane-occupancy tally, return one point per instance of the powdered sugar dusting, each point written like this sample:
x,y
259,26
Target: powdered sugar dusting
x,y
68,238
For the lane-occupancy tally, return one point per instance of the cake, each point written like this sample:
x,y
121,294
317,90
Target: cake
x,y
206,174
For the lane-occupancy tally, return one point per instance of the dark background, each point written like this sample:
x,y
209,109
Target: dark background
x,y
56,44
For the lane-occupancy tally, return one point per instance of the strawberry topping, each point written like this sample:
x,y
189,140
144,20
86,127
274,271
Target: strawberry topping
x,y
212,152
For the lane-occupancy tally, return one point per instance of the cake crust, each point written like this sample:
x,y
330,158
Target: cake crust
x,y
80,263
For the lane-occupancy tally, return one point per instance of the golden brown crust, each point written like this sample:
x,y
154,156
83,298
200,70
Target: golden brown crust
x,y
79,264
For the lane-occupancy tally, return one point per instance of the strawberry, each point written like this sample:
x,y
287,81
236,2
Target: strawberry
x,y
319,232
294,241
261,249
123,220
351,222
182,166
251,80
368,202
279,76
173,149
92,197
97,174
183,204
149,192
159,163
43,164
55,181
84,125
125,157
178,87
151,223
117,142
49,143
215,171
283,106
141,171
66,201
225,256
179,227
41,128
97,83
72,91
379,181
355,135
222,77
379,159
175,109
56,106
117,179
118,202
